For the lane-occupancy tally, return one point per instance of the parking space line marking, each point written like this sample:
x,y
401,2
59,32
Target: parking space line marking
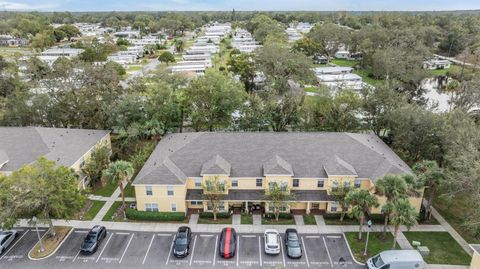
x,y
260,250
238,249
170,252
148,249
14,244
215,252
193,251
80,232
125,251
281,248
312,236
206,235
328,252
248,236
76,256
334,236
104,246
305,251
122,233
164,235
19,230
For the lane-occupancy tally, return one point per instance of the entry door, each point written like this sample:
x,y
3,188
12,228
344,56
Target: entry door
x,y
315,206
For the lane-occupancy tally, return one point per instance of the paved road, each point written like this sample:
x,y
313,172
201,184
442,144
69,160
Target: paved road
x,y
128,249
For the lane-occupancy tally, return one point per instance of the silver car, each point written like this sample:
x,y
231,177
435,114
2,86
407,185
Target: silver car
x,y
6,239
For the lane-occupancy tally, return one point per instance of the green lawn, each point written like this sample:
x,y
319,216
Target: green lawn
x,y
342,62
92,212
376,244
443,248
279,222
309,220
218,221
106,190
311,89
246,219
133,68
130,190
14,51
334,219
366,78
111,211
455,213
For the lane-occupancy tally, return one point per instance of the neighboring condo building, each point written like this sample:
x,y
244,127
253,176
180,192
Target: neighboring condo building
x,y
21,146
310,165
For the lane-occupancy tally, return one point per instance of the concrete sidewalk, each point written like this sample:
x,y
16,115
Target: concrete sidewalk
x,y
452,232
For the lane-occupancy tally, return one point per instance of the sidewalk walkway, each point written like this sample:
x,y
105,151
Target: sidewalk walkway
x,y
257,219
108,203
236,219
193,219
445,266
452,232
403,242
320,220
299,219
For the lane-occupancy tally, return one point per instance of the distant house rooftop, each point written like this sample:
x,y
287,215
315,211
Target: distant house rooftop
x,y
250,155
24,145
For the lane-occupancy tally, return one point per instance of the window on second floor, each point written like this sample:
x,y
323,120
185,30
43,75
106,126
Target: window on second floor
x,y
198,182
346,184
259,182
296,182
358,183
234,183
283,186
320,183
170,190
149,190
335,185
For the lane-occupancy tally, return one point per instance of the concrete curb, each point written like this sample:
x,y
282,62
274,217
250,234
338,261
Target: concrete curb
x,y
55,250
350,250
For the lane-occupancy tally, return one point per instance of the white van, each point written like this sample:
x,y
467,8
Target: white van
x,y
396,259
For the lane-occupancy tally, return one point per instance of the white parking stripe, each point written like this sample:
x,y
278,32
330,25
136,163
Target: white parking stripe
x,y
248,236
122,233
334,236
76,256
260,250
193,251
281,248
238,249
305,251
125,251
148,249
165,235
104,246
328,252
215,252
80,232
170,252
312,236
206,235
14,244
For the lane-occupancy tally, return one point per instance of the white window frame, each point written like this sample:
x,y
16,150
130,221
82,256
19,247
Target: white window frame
x,y
173,207
295,180
358,183
151,207
333,207
149,190
318,183
234,183
198,183
170,191
259,181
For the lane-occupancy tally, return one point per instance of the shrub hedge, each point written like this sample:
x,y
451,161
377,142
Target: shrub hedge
x,y
155,216
281,216
374,217
209,215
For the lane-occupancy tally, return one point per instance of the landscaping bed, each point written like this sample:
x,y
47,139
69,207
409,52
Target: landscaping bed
x,y
50,243
114,213
443,248
135,215
309,220
334,219
283,219
376,244
207,218
90,210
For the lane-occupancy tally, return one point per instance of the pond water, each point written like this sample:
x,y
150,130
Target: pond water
x,y
437,100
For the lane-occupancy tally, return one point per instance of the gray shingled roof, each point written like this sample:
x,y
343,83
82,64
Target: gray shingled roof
x,y
307,155
216,166
24,145
337,166
277,166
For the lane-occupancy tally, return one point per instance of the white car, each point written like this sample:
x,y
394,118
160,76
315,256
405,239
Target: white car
x,y
6,239
272,241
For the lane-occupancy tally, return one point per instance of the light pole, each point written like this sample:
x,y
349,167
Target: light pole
x,y
369,223
42,249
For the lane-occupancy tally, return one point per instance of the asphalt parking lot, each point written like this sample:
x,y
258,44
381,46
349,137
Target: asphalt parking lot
x,y
127,249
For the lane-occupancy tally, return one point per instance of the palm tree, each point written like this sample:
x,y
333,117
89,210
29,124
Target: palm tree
x,y
432,177
120,172
361,202
392,187
402,214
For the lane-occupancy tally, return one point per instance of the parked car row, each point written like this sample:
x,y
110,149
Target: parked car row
x,y
6,239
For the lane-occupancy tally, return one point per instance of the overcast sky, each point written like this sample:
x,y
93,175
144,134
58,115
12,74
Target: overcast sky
x,y
310,5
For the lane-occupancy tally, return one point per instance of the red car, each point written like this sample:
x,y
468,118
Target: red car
x,y
228,243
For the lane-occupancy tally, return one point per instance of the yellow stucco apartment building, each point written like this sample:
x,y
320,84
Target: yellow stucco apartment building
x,y
20,146
310,165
